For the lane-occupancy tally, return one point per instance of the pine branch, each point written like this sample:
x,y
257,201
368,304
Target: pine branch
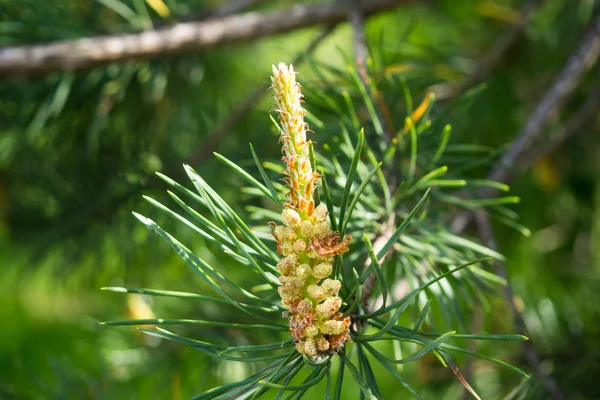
x,y
87,53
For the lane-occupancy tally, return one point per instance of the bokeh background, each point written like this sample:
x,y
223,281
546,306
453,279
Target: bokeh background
x,y
79,149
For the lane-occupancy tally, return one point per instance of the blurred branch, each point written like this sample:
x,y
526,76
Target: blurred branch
x,y
86,53
590,108
580,61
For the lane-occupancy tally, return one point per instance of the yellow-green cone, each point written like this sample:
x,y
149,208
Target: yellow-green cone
x,y
305,239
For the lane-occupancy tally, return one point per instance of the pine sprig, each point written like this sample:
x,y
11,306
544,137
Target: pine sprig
x,y
323,294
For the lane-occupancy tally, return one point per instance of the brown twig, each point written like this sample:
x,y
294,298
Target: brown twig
x,y
467,368
86,53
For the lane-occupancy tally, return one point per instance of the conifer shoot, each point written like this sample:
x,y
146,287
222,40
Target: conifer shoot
x,y
305,239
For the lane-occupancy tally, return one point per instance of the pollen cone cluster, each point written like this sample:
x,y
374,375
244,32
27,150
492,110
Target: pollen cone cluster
x,y
305,239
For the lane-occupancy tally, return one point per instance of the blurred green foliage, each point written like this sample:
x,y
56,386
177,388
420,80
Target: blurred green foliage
x,y
77,151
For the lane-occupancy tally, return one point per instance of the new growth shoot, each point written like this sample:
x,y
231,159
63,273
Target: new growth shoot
x,y
305,239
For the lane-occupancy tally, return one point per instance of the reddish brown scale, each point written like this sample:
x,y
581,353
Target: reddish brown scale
x,y
299,323
330,245
337,341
